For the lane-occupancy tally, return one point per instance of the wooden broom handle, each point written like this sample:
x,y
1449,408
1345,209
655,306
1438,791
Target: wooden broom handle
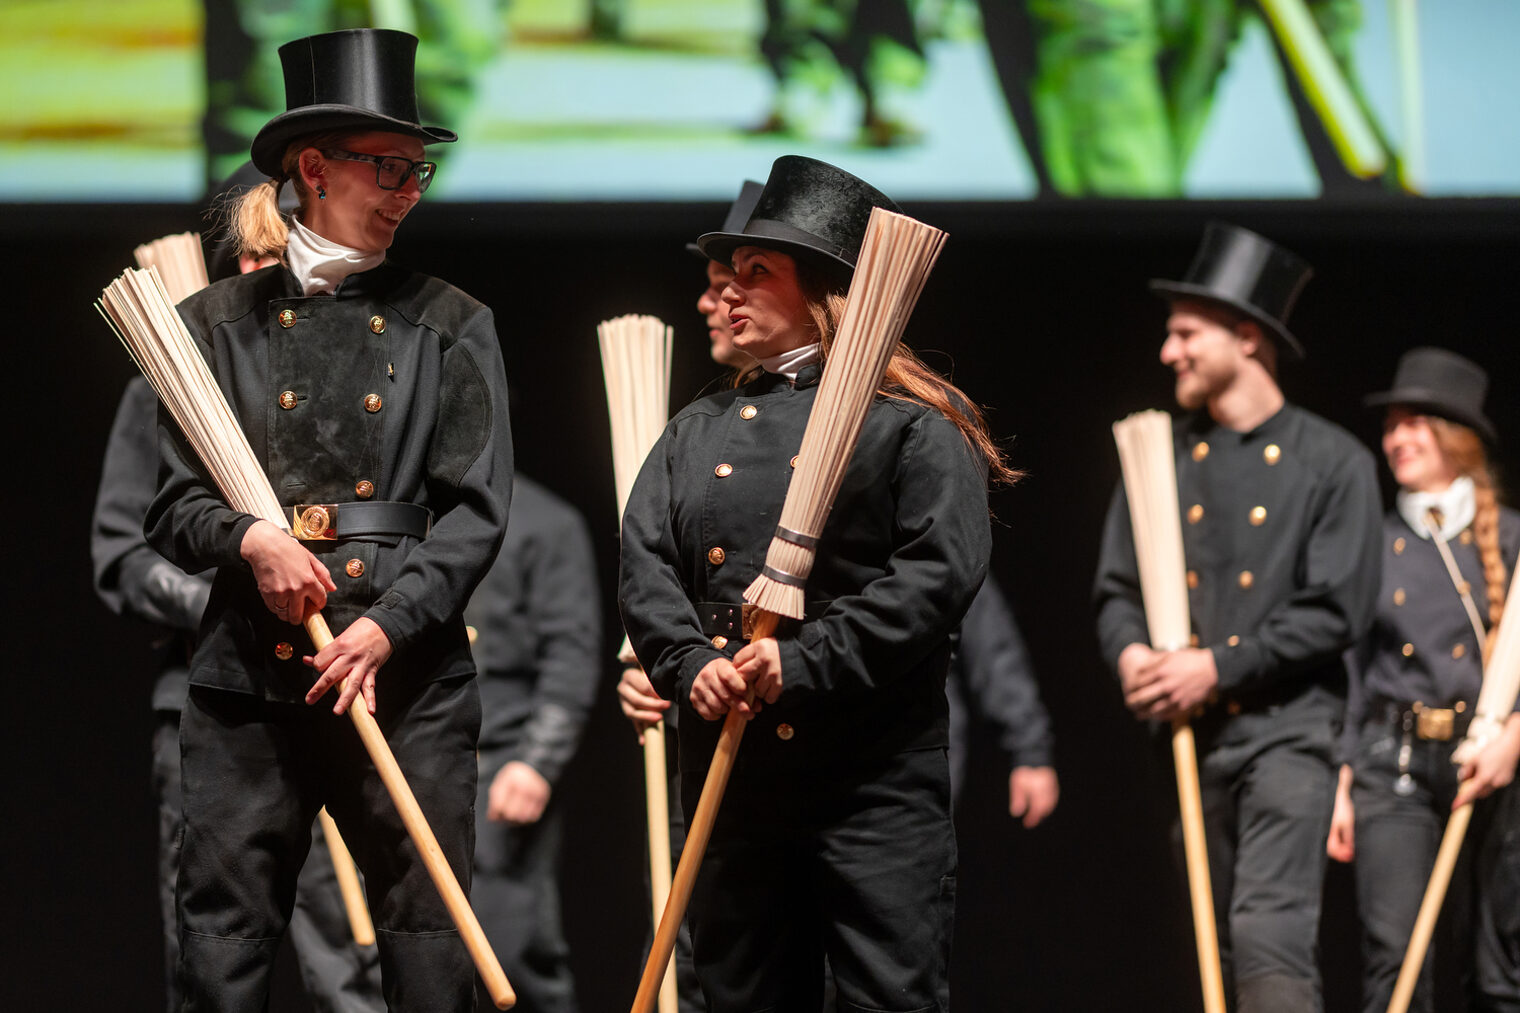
x,y
697,834
348,882
657,809
417,827
1195,848
1430,909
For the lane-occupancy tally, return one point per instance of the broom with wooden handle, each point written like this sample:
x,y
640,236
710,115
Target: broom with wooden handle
x,y
1496,700
896,257
181,264
636,368
1150,484
138,309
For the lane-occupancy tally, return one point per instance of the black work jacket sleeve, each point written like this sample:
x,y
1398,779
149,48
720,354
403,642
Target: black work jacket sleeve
x,y
1334,604
1116,588
943,538
993,663
130,577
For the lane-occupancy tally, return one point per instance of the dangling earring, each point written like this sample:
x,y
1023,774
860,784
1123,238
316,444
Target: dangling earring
x,y
321,193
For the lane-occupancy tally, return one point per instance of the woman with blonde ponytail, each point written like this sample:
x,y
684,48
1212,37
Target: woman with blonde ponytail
x,y
1449,551
375,399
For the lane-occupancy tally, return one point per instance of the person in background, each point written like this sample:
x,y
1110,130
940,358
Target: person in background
x,y
535,631
1415,679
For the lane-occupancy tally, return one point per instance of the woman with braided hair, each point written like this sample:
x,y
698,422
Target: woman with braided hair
x,y
1449,548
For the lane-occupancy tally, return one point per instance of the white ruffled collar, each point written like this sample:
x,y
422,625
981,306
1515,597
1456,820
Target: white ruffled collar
x,y
791,362
320,264
1457,504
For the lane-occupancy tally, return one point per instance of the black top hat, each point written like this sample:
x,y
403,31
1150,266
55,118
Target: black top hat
x,y
738,213
1440,383
809,209
1246,272
363,79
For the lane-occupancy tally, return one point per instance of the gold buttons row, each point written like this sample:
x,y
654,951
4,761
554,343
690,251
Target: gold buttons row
x,y
372,402
354,567
1246,579
748,412
1271,453
287,320
1458,651
1257,516
716,555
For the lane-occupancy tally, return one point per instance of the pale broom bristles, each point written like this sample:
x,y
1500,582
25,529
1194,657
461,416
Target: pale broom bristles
x,y
636,368
181,263
896,257
139,310
1150,484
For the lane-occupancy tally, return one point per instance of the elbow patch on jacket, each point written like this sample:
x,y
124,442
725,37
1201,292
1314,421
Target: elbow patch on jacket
x,y
464,417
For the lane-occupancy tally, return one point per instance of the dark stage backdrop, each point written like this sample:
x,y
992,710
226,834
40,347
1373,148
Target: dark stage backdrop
x,y
1044,317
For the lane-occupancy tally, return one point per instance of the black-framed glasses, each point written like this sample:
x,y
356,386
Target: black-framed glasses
x,y
391,171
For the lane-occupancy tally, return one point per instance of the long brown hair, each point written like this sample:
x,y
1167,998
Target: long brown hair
x,y
252,217
1464,451
907,378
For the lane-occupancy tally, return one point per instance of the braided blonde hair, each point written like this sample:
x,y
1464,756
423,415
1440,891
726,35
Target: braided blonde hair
x,y
1464,450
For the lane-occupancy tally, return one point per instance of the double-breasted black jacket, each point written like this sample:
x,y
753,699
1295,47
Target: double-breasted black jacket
x,y
1280,529
901,555
390,389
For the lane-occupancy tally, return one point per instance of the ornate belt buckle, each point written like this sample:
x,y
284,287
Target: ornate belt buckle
x,y
1435,724
747,620
314,522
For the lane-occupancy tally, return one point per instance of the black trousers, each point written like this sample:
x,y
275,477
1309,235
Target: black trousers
x,y
340,976
516,897
856,866
1268,789
254,775
1398,830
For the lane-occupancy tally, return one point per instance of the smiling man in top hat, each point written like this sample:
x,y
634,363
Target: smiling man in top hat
x,y
1280,532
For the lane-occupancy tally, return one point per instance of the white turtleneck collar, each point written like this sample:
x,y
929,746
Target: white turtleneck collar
x,y
320,264
1456,502
790,363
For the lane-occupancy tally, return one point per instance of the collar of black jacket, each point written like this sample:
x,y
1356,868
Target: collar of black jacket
x,y
375,281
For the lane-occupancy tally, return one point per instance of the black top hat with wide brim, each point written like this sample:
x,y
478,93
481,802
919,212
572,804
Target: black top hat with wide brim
x,y
738,213
1246,272
362,79
809,209
1436,382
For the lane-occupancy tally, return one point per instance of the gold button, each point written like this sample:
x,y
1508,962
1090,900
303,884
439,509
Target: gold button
x,y
1465,537
1463,587
749,411
794,459
287,399
1399,596
1258,516
1195,513
723,470
472,633
1192,579
377,324
1193,640
372,403
284,651
364,489
1407,650
1233,641
1200,450
784,732
716,555
287,318
1398,546
1246,578
354,567
1271,453
1459,706
1459,652
1233,707
720,641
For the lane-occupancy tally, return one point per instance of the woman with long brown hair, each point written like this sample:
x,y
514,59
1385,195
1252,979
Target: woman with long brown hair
x,y
1449,551
834,839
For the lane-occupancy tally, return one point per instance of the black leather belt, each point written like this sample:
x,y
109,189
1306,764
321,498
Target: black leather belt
x,y
1431,724
318,522
725,619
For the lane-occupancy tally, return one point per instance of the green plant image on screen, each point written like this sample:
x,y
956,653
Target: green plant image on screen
x,y
147,100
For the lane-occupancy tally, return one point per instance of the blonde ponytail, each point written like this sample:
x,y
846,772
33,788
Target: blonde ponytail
x,y
253,218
